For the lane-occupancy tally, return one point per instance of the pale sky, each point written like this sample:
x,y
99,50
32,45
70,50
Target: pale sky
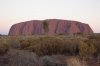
x,y
14,11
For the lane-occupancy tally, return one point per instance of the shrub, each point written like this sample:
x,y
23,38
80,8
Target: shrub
x,y
98,48
75,61
24,44
87,48
4,47
55,45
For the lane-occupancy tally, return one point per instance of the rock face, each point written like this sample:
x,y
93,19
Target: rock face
x,y
49,27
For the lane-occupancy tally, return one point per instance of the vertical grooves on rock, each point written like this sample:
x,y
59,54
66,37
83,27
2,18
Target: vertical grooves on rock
x,y
55,26
80,27
35,27
32,28
22,27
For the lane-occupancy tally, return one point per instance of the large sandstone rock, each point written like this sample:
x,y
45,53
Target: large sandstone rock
x,y
50,27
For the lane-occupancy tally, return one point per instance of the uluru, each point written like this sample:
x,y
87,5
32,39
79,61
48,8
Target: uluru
x,y
49,27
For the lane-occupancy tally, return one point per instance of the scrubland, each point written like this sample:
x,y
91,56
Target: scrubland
x,y
44,50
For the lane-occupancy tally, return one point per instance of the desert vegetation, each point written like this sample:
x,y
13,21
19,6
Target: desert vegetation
x,y
75,61
76,49
4,47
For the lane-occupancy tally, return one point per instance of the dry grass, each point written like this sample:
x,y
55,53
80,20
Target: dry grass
x,y
48,45
4,47
55,45
74,61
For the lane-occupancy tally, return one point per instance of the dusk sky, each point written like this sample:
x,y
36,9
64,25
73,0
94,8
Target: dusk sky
x,y
15,11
